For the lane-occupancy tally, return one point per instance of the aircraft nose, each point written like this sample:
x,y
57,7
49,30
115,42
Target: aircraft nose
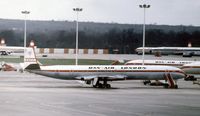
x,y
179,74
182,74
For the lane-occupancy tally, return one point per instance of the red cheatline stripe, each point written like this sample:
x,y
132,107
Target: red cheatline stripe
x,y
178,71
190,67
154,64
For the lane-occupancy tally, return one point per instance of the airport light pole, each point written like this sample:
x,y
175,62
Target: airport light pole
x,y
144,6
25,13
77,10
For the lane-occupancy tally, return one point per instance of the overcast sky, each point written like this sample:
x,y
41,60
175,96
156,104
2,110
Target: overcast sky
x,y
172,12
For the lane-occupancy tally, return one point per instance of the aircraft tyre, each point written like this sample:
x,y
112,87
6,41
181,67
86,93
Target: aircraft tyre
x,y
166,86
95,86
108,86
102,86
146,82
99,85
105,86
176,87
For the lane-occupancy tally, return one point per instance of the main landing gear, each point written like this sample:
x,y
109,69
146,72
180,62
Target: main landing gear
x,y
154,83
172,84
98,84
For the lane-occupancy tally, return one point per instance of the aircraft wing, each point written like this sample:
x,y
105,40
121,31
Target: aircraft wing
x,y
96,78
107,77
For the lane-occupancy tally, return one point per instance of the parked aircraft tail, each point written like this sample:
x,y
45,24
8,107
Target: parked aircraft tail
x,y
30,60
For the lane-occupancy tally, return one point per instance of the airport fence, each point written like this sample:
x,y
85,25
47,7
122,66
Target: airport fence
x,y
70,51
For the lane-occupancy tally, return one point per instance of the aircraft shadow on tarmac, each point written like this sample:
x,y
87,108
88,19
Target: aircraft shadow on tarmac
x,y
68,87
90,87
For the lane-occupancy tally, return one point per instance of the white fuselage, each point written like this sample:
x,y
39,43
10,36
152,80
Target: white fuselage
x,y
192,69
13,49
159,62
170,50
121,72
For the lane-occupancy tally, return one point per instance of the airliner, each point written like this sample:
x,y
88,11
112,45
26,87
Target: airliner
x,y
7,50
147,50
159,62
99,75
191,68
185,51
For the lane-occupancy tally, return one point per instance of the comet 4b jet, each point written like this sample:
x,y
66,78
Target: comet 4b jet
x,y
99,75
174,63
191,68
7,50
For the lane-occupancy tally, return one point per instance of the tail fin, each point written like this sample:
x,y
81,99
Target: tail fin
x,y
30,60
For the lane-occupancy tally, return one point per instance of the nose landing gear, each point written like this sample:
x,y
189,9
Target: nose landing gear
x,y
98,84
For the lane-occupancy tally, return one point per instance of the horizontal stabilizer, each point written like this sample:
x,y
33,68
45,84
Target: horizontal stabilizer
x,y
33,67
30,61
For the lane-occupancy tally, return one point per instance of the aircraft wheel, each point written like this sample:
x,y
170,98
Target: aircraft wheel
x,y
146,82
103,86
166,86
100,85
108,86
95,86
175,86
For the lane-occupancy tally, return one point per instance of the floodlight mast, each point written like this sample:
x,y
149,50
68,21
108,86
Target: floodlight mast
x,y
25,18
144,6
25,13
77,10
